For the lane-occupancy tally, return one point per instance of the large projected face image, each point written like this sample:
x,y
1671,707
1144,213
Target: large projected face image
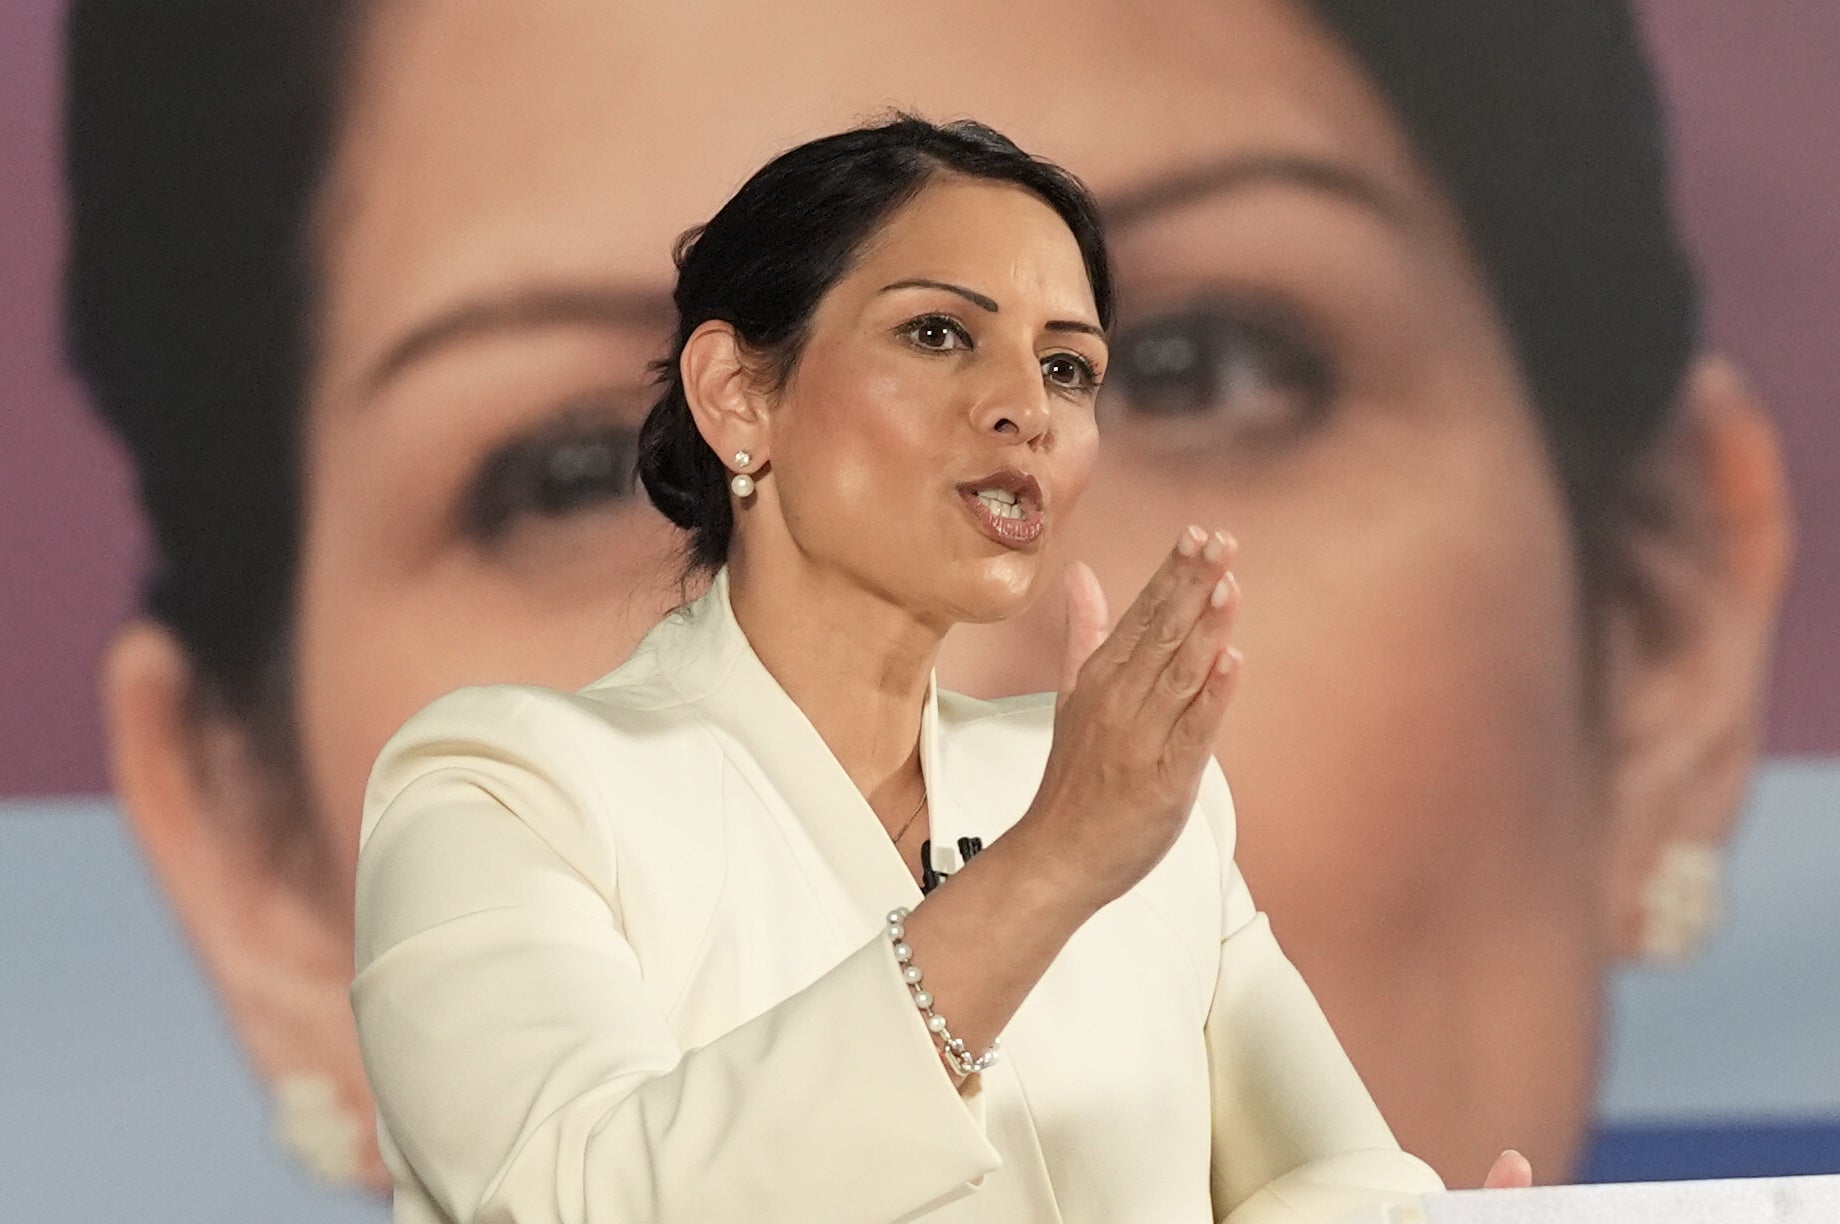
x,y
1508,596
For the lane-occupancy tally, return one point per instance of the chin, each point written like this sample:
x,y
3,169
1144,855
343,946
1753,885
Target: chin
x,y
996,588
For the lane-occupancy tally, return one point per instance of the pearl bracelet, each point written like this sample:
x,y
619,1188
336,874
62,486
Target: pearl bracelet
x,y
957,1057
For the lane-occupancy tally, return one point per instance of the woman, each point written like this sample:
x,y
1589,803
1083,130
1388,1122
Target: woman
x,y
618,954
303,190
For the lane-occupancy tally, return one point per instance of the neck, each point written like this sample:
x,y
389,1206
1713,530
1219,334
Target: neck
x,y
855,661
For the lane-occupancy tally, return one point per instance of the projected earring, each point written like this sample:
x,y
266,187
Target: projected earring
x,y
317,1129
741,482
1681,901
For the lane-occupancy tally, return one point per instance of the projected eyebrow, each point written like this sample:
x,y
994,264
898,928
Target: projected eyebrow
x,y
1245,173
528,308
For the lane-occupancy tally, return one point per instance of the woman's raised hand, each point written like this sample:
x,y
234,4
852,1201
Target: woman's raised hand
x,y
1134,729
1138,716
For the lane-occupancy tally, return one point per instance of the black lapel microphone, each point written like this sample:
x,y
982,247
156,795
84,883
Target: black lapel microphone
x,y
968,848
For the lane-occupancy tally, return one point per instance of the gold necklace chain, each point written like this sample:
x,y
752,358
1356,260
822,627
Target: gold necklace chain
x,y
918,808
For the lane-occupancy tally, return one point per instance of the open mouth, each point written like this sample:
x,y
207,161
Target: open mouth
x,y
1007,505
1003,503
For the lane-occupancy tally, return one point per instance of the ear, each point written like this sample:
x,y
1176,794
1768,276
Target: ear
x,y
1687,661
198,800
725,394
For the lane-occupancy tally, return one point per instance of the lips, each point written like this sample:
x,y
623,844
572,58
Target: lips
x,y
1007,506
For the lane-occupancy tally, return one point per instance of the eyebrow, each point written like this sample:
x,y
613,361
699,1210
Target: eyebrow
x,y
970,295
524,309
990,304
1244,173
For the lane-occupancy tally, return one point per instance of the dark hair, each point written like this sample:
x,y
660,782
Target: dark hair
x,y
763,263
1543,123
195,139
197,134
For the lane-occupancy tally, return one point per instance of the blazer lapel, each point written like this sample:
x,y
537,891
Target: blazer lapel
x,y
710,663
713,665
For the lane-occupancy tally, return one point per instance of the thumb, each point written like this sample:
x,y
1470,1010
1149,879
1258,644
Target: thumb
x,y
1088,621
1509,1172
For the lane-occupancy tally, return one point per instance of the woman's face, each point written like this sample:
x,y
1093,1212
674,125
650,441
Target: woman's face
x,y
1305,356
938,425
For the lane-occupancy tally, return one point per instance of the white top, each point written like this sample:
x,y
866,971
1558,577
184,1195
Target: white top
x,y
620,958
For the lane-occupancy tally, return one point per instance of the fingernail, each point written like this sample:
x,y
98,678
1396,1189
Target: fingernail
x,y
1229,659
1223,591
1189,542
1216,547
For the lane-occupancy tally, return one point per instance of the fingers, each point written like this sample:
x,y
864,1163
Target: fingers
x,y
1197,726
1141,615
1188,669
1165,610
1167,613
1511,1171
1088,621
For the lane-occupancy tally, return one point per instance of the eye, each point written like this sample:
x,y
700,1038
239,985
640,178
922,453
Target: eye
x,y
579,461
1070,371
937,333
1249,367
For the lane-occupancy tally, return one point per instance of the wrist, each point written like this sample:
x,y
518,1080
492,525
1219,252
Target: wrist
x,y
1048,882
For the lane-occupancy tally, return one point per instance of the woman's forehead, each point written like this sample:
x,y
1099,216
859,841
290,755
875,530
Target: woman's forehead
x,y
985,239
495,142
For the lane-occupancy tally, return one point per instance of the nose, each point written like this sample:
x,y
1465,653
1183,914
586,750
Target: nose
x,y
1013,403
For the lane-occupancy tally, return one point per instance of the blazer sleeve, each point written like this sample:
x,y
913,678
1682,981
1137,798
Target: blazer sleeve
x,y
521,1067
1297,1139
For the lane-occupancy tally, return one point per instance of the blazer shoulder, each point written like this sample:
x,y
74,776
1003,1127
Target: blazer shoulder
x,y
1214,802
562,740
1011,729
1021,729
503,724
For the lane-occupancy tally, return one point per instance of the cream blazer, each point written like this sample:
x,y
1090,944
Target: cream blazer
x,y
620,958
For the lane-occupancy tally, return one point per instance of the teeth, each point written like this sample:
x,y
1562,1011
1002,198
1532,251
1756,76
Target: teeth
x,y
1002,495
1001,508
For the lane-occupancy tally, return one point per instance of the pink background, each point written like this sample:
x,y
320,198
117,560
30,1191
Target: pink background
x,y
1756,107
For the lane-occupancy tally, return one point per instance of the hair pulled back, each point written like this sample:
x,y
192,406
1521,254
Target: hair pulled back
x,y
764,262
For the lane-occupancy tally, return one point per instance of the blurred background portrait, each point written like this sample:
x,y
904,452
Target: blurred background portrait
x,y
1497,333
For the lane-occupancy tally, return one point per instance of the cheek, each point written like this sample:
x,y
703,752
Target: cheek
x,y
1408,745
1409,729
853,440
1409,734
1075,450
1416,785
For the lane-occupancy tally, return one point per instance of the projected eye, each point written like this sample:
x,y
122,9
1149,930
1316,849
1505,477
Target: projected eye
x,y
575,462
1217,361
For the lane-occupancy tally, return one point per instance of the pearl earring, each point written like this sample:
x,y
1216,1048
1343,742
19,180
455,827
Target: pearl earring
x,y
742,483
1681,903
